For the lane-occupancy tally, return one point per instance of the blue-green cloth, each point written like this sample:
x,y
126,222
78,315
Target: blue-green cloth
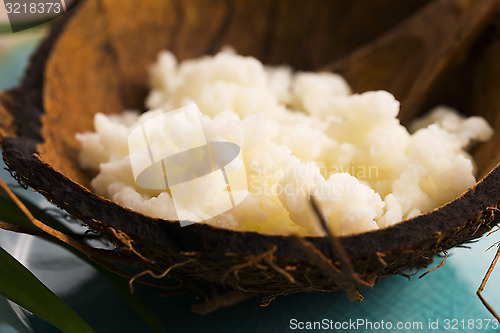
x,y
445,297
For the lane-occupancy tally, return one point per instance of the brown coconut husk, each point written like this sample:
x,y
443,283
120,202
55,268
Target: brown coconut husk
x,y
96,59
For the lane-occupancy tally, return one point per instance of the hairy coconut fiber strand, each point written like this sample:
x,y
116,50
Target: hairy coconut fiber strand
x,y
86,68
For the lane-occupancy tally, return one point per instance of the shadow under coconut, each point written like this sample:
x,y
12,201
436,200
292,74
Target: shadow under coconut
x,y
442,296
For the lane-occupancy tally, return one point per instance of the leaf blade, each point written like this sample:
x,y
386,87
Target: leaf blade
x,y
19,285
10,213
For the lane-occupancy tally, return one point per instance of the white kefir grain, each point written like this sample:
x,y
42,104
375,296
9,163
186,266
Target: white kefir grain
x,y
300,134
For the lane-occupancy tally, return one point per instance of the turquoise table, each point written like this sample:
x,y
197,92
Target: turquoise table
x,y
443,301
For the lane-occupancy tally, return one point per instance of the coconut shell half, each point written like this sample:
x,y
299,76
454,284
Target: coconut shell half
x,y
96,59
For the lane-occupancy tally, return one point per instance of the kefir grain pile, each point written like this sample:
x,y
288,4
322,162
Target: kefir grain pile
x,y
300,134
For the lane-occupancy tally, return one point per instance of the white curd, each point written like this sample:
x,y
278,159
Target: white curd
x,y
300,134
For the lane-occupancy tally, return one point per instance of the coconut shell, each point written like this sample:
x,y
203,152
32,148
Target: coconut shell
x,y
83,68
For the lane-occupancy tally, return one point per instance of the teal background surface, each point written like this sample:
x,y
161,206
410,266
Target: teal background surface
x,y
446,295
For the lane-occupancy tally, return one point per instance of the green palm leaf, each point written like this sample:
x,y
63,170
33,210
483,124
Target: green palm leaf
x,y
20,286
10,213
